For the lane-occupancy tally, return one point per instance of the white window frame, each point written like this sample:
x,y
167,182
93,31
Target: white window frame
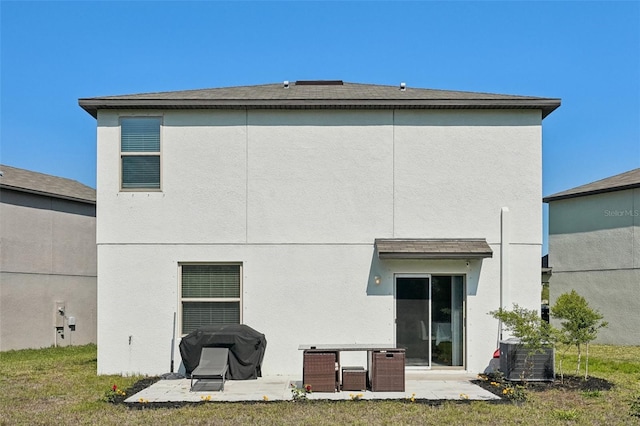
x,y
181,299
139,154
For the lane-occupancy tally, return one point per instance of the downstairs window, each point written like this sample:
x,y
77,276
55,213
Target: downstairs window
x,y
210,295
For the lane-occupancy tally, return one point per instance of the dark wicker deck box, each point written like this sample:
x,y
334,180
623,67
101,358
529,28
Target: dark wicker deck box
x,y
319,371
387,371
354,379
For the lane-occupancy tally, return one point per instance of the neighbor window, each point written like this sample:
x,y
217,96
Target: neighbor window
x,y
140,152
210,295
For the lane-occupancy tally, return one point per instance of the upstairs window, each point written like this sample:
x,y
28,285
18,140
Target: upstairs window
x,y
140,152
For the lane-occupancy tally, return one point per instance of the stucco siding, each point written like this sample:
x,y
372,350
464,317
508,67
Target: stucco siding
x,y
286,294
298,197
320,176
613,293
611,210
294,294
46,236
27,310
596,232
203,182
596,250
48,255
455,171
257,177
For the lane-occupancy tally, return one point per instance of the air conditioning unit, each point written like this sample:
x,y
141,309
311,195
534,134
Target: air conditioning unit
x,y
517,363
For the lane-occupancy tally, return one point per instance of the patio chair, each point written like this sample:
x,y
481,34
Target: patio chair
x,y
213,365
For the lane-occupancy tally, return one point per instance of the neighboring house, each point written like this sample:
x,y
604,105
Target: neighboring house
x,y
316,212
594,248
47,260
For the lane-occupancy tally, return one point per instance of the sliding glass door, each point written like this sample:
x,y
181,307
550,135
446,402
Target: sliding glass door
x,y
412,319
430,319
447,320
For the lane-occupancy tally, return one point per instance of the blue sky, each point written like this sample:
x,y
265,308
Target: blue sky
x,y
586,53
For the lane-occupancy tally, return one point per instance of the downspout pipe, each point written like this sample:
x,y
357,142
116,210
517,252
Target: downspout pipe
x,y
505,240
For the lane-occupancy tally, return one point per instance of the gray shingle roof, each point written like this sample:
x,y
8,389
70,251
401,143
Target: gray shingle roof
x,y
51,186
627,180
422,248
328,95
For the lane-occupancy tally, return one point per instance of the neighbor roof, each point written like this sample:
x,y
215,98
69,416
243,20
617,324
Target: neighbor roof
x,y
422,248
41,184
318,94
627,180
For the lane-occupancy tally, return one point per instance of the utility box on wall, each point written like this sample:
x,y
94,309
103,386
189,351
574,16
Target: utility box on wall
x,y
518,363
59,312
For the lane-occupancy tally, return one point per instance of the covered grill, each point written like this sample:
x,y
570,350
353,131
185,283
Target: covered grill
x,y
246,349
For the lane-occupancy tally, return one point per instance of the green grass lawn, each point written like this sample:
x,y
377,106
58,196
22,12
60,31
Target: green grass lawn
x,y
60,386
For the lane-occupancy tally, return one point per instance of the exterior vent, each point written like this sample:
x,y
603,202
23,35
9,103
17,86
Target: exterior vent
x,y
403,87
285,84
319,83
539,366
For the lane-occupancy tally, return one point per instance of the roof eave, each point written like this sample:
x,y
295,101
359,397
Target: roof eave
x,y
92,105
560,196
47,194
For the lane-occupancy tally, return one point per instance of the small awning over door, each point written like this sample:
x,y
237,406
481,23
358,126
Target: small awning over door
x,y
426,248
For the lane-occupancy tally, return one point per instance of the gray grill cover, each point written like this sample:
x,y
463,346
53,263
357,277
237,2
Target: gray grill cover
x,y
246,349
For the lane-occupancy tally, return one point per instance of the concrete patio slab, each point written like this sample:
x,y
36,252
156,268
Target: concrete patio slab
x,y
278,388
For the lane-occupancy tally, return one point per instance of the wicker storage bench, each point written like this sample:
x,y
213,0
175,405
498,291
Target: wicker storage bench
x,y
354,379
319,371
387,371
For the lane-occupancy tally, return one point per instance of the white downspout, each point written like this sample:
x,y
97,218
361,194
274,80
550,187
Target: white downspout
x,y
505,239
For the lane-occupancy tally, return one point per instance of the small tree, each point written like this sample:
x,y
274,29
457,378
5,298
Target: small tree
x,y
579,324
526,325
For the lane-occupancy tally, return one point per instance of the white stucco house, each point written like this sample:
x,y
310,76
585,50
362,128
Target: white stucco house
x,y
594,249
316,212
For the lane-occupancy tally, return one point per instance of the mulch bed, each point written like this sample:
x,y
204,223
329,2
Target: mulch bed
x,y
141,385
570,383
574,383
134,389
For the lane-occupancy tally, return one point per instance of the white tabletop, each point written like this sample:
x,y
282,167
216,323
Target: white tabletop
x,y
352,347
